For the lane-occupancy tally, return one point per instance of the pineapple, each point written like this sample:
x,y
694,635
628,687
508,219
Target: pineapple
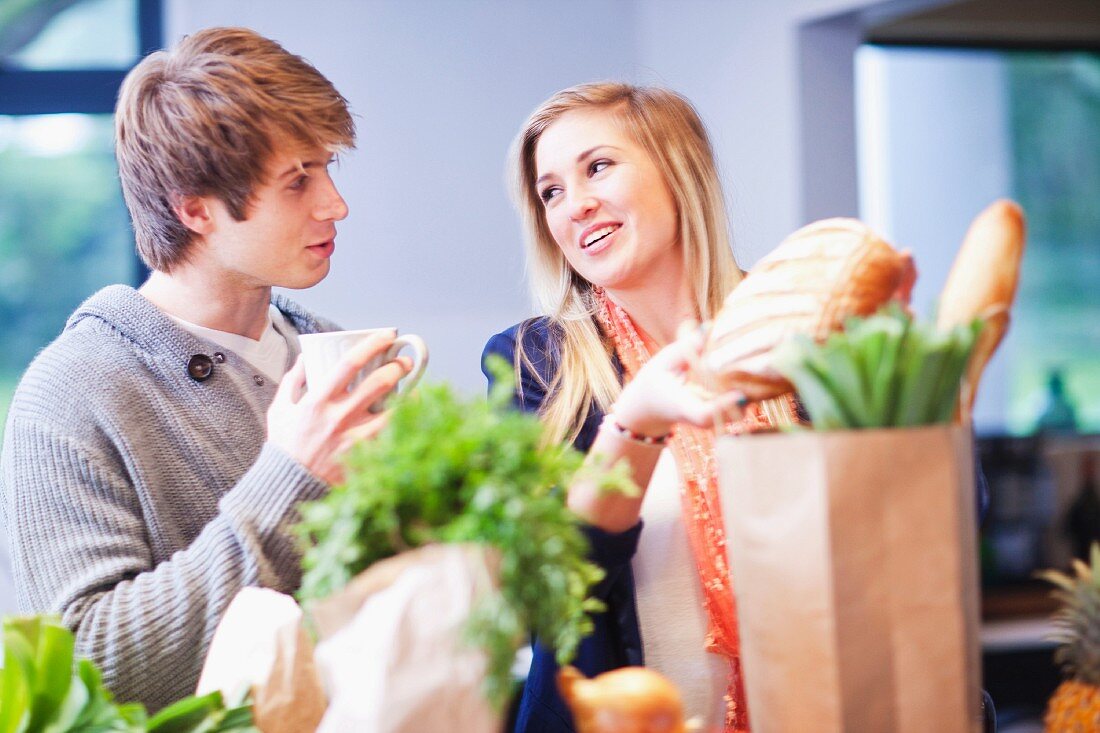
x,y
1075,705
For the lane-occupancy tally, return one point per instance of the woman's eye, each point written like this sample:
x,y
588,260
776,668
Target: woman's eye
x,y
598,165
548,193
299,182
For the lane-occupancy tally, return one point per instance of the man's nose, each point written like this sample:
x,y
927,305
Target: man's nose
x,y
332,206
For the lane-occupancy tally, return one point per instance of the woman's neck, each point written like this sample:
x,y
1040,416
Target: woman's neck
x,y
657,310
211,302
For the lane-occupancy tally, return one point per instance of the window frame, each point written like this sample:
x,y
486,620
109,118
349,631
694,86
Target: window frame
x,y
86,91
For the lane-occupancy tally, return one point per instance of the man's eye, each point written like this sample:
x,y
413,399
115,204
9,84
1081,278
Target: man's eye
x,y
598,165
548,193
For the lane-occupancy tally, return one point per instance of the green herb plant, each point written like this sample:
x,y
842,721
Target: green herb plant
x,y
42,690
453,470
886,370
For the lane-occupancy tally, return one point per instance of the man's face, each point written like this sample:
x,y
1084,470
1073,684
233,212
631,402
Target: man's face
x,y
290,230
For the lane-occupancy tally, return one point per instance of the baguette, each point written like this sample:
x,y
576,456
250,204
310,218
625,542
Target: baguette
x,y
982,284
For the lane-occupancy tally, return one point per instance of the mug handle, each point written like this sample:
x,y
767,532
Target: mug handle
x,y
420,358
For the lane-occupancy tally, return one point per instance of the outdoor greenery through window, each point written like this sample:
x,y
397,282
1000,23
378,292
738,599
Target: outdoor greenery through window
x,y
942,133
64,230
1054,108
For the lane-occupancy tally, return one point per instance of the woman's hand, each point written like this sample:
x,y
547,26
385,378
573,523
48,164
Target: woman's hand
x,y
658,397
661,395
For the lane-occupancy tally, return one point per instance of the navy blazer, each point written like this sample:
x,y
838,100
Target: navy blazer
x,y
616,640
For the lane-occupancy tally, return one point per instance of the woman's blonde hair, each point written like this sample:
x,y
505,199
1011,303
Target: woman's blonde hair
x,y
667,126
204,118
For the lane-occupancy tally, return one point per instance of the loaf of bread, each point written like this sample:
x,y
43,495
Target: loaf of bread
x,y
982,284
814,280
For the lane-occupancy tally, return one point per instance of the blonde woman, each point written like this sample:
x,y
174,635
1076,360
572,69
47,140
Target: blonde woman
x,y
627,239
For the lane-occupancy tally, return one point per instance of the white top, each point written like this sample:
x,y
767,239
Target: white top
x,y
268,355
670,601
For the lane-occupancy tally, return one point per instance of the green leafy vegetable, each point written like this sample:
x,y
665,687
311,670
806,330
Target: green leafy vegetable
x,y
447,469
883,371
43,691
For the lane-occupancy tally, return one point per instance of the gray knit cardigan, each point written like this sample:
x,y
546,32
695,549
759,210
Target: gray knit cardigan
x,y
138,500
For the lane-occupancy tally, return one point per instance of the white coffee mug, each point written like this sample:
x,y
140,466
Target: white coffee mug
x,y
322,351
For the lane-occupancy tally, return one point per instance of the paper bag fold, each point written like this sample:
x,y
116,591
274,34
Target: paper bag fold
x,y
261,644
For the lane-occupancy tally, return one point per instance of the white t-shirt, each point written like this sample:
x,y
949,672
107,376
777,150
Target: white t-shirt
x,y
670,603
269,355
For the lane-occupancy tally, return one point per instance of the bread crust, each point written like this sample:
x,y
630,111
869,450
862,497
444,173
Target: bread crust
x,y
819,276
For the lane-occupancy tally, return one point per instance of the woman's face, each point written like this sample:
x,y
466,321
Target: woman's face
x,y
606,204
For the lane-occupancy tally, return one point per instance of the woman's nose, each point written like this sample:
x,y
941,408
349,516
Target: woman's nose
x,y
581,206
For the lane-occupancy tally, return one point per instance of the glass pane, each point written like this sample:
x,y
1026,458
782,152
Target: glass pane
x,y
942,134
62,34
64,231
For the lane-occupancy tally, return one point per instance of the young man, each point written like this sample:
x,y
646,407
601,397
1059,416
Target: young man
x,y
152,460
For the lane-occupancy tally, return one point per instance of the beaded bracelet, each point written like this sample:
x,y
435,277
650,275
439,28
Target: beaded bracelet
x,y
610,422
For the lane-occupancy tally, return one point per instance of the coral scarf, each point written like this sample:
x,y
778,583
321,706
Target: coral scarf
x,y
693,449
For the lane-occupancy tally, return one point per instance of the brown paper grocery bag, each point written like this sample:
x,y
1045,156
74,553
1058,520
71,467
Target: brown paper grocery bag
x,y
854,562
391,650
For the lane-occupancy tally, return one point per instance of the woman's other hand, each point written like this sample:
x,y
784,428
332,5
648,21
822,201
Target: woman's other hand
x,y
662,393
660,396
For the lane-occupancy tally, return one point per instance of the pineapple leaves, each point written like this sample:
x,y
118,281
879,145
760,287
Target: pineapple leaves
x,y
1077,621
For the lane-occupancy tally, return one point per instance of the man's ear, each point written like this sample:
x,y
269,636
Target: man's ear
x,y
194,213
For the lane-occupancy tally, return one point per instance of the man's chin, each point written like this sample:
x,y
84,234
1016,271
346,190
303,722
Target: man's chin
x,y
301,281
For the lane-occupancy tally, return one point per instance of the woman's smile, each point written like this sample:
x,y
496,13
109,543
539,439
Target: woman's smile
x,y
598,237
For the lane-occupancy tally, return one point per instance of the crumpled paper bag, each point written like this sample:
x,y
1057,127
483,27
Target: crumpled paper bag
x,y
391,652
390,656
262,644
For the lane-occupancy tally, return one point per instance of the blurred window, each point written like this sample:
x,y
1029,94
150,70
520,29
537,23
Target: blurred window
x,y
64,230
942,133
66,35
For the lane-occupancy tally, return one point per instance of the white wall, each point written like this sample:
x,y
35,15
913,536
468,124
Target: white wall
x,y
441,86
738,62
943,152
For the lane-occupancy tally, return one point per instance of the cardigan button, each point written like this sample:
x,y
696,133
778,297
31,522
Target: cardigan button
x,y
200,367
258,380
219,357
